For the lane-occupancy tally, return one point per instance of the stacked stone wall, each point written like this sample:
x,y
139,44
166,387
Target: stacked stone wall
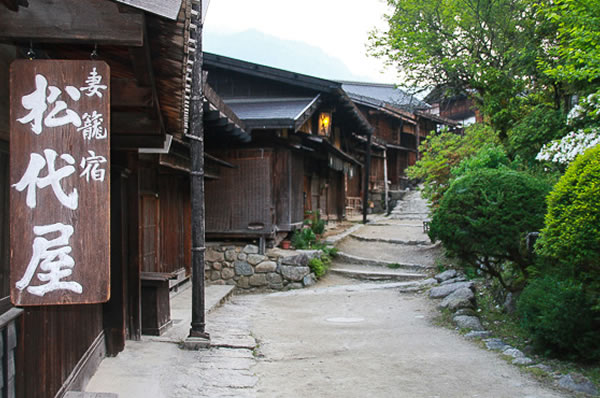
x,y
243,267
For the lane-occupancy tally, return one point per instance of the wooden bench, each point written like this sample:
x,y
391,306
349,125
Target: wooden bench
x,y
156,304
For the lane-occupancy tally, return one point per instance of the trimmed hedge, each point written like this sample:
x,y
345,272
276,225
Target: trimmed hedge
x,y
570,241
558,314
485,214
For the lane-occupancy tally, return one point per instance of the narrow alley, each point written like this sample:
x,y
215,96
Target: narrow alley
x,y
366,329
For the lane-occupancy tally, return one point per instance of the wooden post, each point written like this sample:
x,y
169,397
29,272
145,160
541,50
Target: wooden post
x,y
418,130
385,178
198,338
367,177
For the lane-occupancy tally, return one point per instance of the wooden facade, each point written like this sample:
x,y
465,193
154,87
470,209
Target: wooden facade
x,y
294,164
400,123
459,107
49,350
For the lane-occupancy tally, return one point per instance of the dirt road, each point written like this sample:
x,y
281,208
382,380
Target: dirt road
x,y
345,338
356,341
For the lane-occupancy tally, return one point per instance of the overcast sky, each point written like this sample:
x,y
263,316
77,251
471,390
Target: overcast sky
x,y
339,27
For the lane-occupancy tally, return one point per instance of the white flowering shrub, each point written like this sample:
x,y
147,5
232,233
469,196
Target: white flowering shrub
x,y
565,150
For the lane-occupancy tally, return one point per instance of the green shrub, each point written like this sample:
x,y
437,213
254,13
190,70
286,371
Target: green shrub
x,y
490,156
558,314
569,244
318,267
318,224
329,251
314,220
442,151
303,238
484,216
541,125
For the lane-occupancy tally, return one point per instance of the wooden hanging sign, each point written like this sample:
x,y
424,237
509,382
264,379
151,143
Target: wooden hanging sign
x,y
59,182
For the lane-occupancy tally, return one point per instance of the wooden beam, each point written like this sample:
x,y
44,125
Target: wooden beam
x,y
214,99
219,161
164,8
90,21
141,59
127,94
135,123
134,142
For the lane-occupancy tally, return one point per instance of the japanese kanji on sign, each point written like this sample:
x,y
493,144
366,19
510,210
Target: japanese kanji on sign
x,y
60,182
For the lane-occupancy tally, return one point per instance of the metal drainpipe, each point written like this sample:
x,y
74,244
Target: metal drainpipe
x,y
196,134
367,172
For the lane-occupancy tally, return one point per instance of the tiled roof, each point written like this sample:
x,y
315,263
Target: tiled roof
x,y
380,94
270,112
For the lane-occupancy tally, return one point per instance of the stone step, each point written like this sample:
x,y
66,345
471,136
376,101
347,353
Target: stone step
x,y
332,240
345,258
376,275
392,241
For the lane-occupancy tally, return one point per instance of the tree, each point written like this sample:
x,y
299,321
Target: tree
x,y
575,56
441,152
484,216
484,47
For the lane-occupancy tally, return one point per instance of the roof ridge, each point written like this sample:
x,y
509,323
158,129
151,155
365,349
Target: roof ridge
x,y
357,83
243,100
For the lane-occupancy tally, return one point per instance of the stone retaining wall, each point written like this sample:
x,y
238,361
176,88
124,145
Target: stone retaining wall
x,y
242,266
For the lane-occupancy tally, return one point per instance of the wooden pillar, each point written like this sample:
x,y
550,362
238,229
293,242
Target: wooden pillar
x,y
418,130
385,179
134,266
198,336
115,311
367,174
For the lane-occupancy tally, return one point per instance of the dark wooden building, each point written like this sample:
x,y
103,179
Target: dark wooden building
x,y
49,350
300,158
459,107
400,123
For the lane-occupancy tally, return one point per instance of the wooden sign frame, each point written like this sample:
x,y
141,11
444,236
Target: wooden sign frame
x,y
59,182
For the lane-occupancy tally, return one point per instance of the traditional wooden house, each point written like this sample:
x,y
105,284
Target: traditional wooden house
x,y
458,107
300,157
47,350
400,123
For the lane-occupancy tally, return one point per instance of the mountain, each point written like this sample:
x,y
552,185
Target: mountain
x,y
294,56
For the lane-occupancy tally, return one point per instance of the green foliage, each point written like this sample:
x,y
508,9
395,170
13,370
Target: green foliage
x,y
558,313
444,150
485,47
484,216
316,223
490,156
574,56
318,267
303,238
329,251
394,266
570,240
539,126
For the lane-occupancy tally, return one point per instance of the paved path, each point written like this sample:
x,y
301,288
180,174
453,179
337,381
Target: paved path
x,y
341,338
